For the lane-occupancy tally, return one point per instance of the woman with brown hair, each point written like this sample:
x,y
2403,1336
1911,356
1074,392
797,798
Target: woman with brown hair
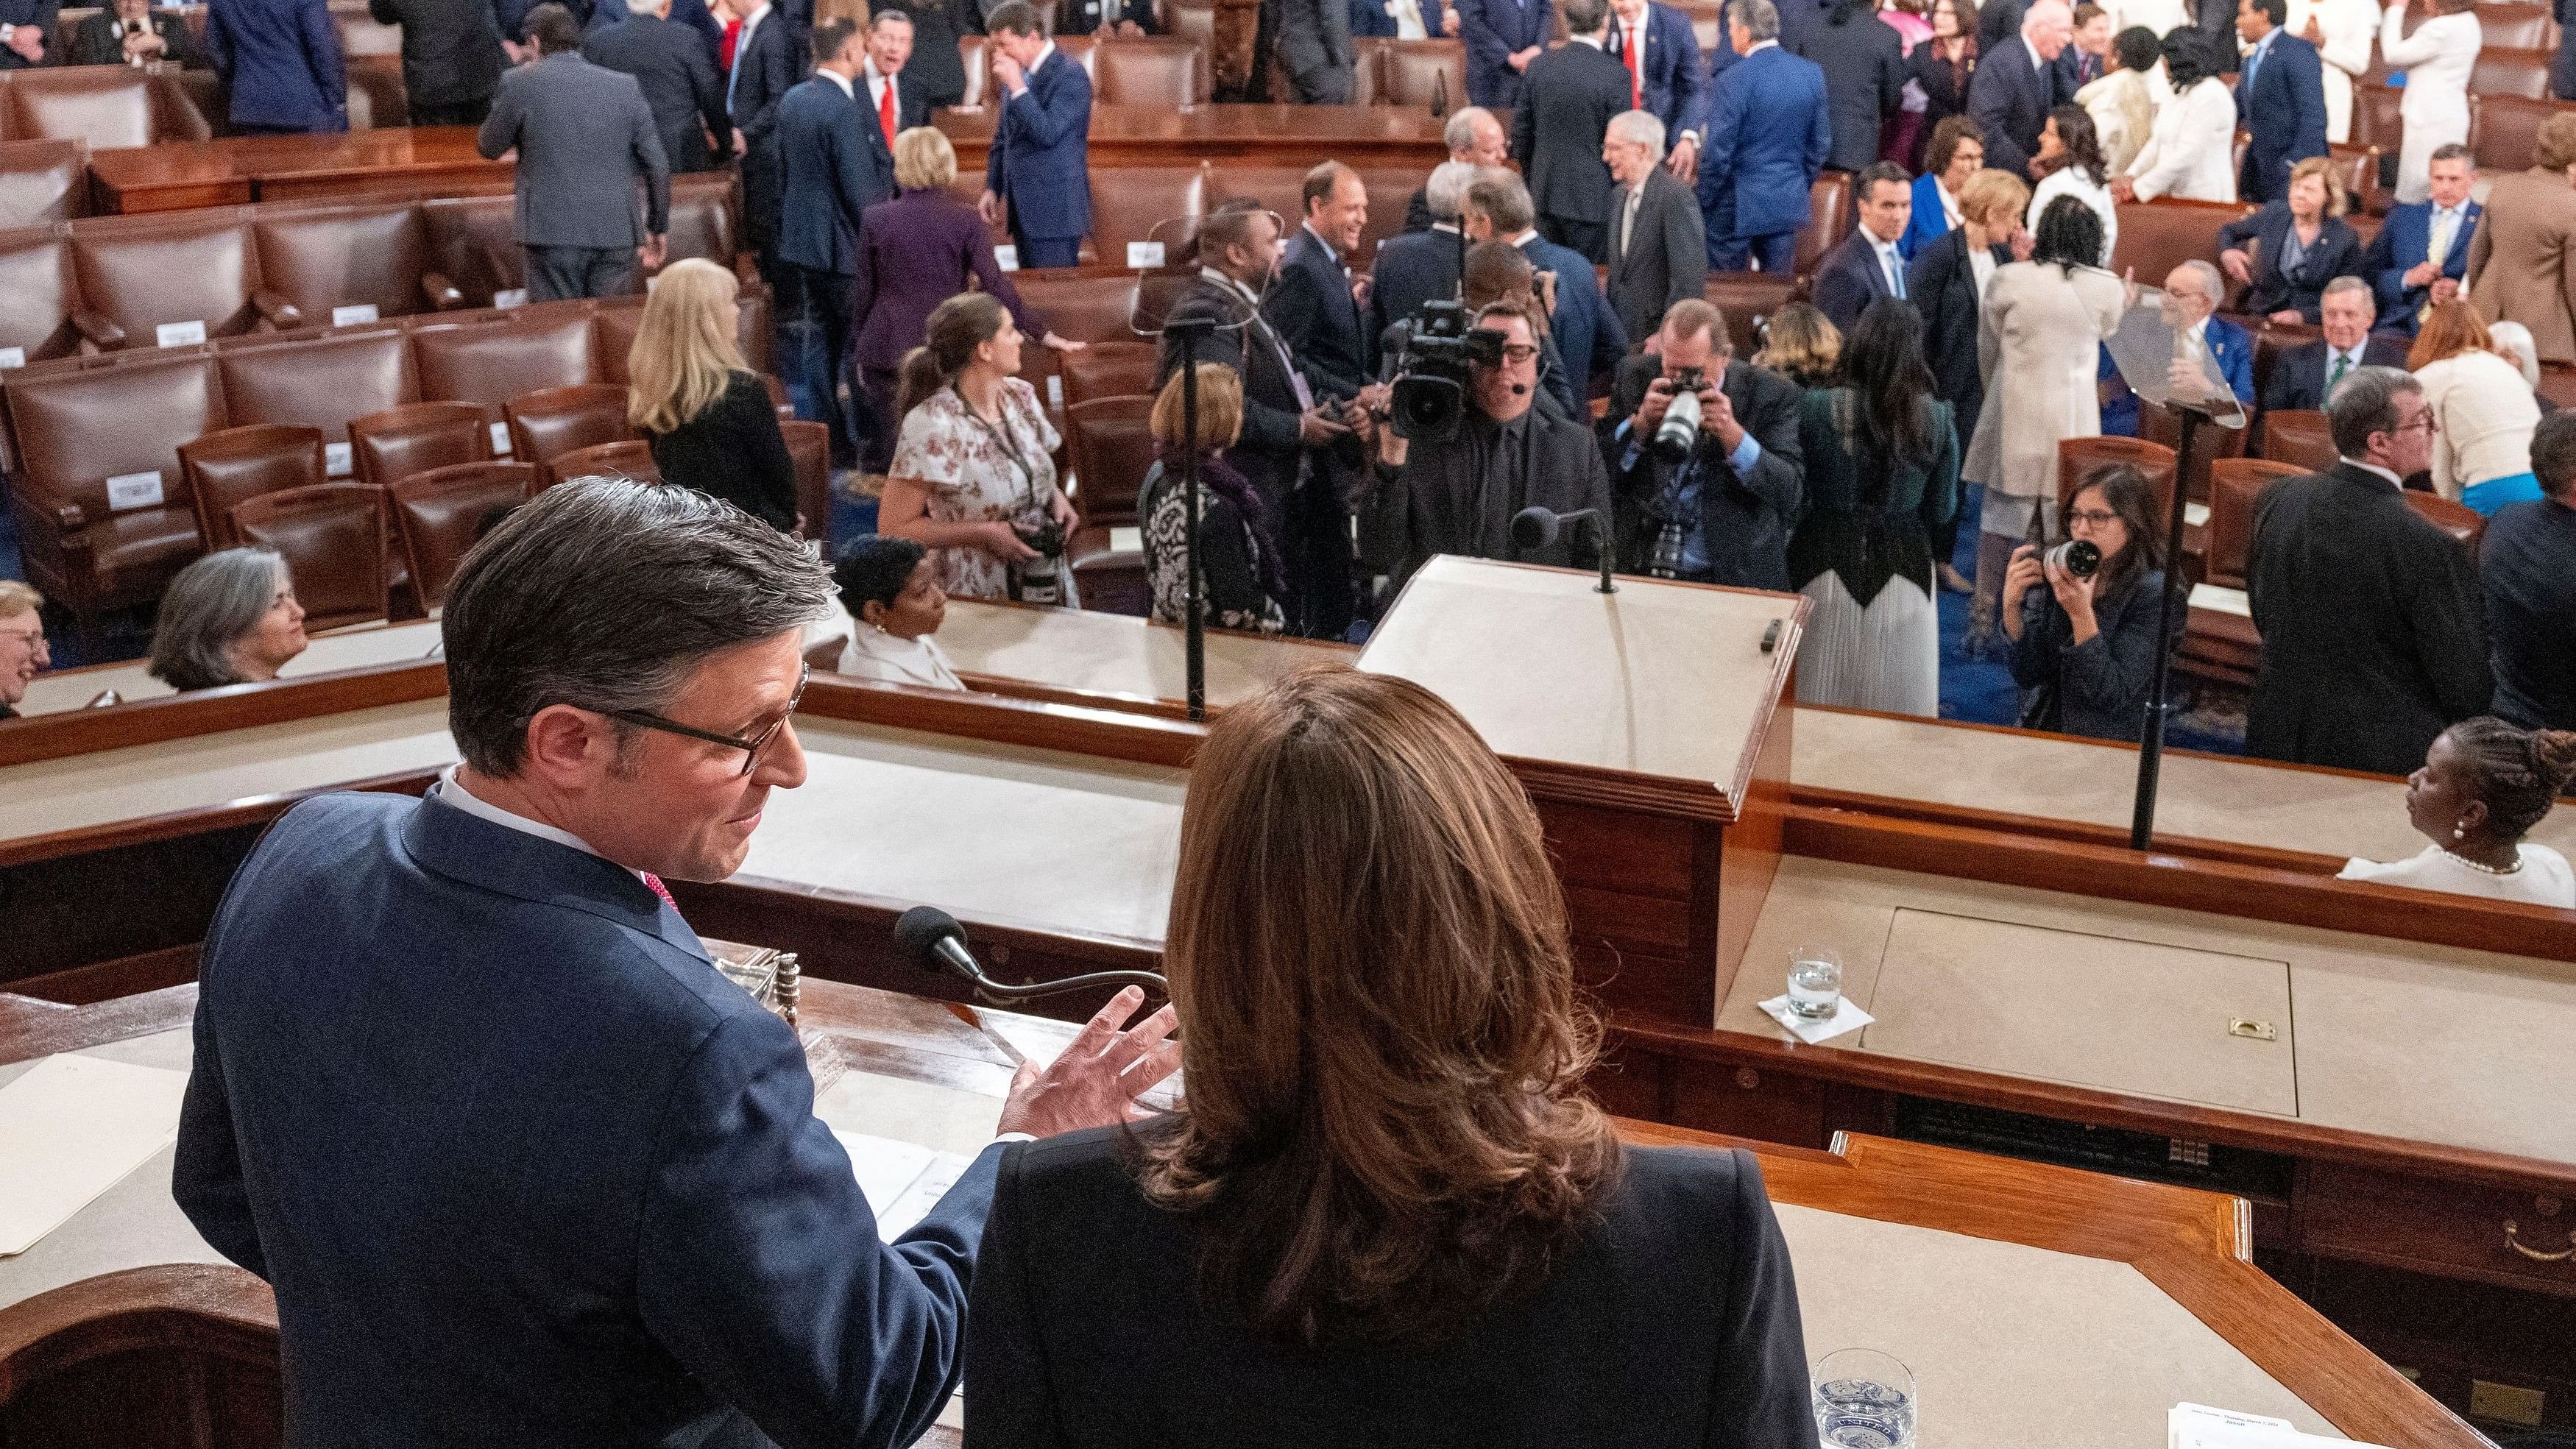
x,y
1386,1212
2483,412
2287,252
2522,260
1802,345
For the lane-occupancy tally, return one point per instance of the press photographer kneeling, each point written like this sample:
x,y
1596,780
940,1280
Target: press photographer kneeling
x,y
1452,475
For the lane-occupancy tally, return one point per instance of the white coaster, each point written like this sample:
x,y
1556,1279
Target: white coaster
x,y
1846,1017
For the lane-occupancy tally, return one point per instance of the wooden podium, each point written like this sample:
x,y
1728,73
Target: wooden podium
x,y
1647,727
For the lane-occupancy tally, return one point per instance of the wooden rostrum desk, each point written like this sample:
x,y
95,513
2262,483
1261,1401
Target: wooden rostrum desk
x,y
2406,1110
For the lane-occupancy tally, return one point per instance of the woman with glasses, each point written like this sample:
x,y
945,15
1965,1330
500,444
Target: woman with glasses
x,y
23,655
228,618
2084,646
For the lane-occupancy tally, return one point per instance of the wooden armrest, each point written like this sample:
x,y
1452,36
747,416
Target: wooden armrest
x,y
100,333
442,294
280,312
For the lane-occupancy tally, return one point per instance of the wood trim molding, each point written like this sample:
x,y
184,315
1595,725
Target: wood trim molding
x,y
252,810
1029,723
64,733
184,1307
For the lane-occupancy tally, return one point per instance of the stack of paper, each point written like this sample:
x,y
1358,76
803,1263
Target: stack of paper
x,y
70,1128
2198,1426
901,1180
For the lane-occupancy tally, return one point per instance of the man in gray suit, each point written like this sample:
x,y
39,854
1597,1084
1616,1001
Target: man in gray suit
x,y
679,78
584,137
1658,243
1315,51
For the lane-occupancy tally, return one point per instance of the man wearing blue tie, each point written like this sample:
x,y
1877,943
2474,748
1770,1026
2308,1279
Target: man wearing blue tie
x,y
2280,99
2421,256
1767,136
1040,159
1865,265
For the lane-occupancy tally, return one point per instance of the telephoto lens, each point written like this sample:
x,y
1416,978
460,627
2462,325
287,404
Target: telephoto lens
x,y
2076,558
1680,427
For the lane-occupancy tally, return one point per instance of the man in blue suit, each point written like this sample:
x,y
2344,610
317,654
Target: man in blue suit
x,y
2193,292
2019,82
1661,51
1768,134
1415,267
2407,270
522,1166
837,165
2280,99
1391,20
1588,337
1313,304
1865,265
1503,37
1040,157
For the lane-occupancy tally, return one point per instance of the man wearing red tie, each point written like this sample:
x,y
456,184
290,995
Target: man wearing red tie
x,y
897,107
1665,74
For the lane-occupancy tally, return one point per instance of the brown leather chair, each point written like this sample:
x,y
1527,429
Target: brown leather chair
x,y
1108,369
1084,308
1390,190
1419,72
1368,69
809,447
2359,169
392,445
2161,426
2510,71
1829,220
2513,26
474,243
2157,236
319,382
1150,71
345,257
561,419
1111,448
105,105
235,465
2458,520
440,513
1746,300
1190,20
2078,457
40,305
2300,439
1145,203
77,428
490,364
144,272
631,459
43,181
2507,126
703,221
2271,340
2234,485
1281,188
333,538
2375,122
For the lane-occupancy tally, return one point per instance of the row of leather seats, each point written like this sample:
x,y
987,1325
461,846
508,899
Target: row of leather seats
x,y
115,283
104,105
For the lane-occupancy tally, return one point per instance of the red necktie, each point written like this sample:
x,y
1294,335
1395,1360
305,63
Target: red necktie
x,y
885,111
1636,69
724,47
654,884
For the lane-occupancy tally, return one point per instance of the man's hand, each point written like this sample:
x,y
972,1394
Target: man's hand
x,y
29,42
1320,426
1449,20
1650,412
2445,288
1717,418
656,247
1684,162
2290,315
2236,264
1360,289
147,43
1007,72
1060,508
989,207
741,142
1131,29
1520,59
2187,380
1097,1080
2421,274
2075,596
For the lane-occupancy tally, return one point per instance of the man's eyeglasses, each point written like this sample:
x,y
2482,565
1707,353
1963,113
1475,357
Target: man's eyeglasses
x,y
1519,352
2423,420
752,748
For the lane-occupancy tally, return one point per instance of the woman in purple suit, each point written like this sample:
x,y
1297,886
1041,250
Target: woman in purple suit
x,y
916,252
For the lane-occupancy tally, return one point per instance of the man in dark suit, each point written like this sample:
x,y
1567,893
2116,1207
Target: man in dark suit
x,y
894,103
1418,266
768,61
1378,19
1865,266
1127,18
1503,37
2562,66
1473,136
1768,134
1039,158
2280,100
837,165
1315,51
1865,75
129,33
1314,305
451,58
1658,248
521,1164
1567,100
27,31
1659,49
2373,642
679,82
1285,429
2409,272
2018,83
585,137
1587,334
2305,376
1722,514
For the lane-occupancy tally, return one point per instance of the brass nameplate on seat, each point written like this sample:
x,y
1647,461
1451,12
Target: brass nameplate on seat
x,y
2258,1030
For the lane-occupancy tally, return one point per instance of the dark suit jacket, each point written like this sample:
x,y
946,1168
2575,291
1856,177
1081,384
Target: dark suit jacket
x,y
1745,518
914,253
1315,55
584,136
587,1204
680,84
1411,269
1941,282
1849,278
1667,259
936,67
2298,379
1494,30
1769,133
836,167
1369,17
1672,1321
1269,449
1864,64
96,42
2531,611
2098,688
2372,638
2337,253
1443,503
2403,240
279,61
451,49
1567,100
2286,114
1944,94
733,450
46,16
1587,333
1311,307
1039,156
1675,83
2010,97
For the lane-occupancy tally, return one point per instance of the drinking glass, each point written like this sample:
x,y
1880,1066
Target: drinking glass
x,y
1864,1400
1815,982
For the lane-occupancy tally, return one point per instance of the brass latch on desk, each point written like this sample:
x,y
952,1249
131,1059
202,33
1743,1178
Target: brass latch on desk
x,y
2256,1030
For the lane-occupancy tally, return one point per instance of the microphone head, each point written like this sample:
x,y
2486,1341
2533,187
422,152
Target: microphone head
x,y
1534,527
918,932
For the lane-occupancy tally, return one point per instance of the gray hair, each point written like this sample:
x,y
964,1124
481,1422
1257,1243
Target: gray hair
x,y
1645,128
1504,198
2369,298
2366,403
209,608
2213,283
2518,348
607,594
1447,189
1760,18
1460,133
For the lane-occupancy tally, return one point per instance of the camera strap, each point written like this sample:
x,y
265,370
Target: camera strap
x,y
1002,439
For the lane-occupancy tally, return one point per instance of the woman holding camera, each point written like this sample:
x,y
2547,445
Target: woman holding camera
x,y
974,473
2082,618
2483,786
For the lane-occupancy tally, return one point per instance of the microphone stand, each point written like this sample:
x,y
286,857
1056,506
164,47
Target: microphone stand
x,y
2151,735
1193,627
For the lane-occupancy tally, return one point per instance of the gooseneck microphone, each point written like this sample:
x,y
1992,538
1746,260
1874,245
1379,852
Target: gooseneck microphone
x,y
1536,527
934,936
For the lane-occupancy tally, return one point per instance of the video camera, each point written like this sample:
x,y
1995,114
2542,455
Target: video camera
x,y
1440,345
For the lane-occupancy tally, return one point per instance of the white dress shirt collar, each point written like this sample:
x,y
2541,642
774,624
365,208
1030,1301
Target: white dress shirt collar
x,y
1523,239
876,82
1223,279
1591,40
2393,480
838,79
1762,45
451,791
1330,250
1044,52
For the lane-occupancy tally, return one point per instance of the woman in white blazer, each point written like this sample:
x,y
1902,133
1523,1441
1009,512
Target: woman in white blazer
x,y
2434,104
2342,31
2192,151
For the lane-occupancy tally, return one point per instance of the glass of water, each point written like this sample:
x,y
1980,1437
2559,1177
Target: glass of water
x,y
1815,982
1864,1400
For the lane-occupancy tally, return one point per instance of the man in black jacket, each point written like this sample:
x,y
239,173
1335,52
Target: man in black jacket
x,y
768,61
679,81
1864,64
2373,642
1567,99
1658,239
451,58
1723,514
2302,377
1418,266
1315,305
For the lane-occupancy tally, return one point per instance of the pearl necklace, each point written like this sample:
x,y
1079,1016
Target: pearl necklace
x,y
2482,869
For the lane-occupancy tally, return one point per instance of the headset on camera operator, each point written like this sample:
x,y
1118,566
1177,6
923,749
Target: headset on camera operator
x,y
1464,449
1705,457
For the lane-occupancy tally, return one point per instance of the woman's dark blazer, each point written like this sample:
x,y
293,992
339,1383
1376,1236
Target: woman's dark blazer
x,y
733,450
2098,688
1672,1321
1943,286
2338,253
1945,94
914,253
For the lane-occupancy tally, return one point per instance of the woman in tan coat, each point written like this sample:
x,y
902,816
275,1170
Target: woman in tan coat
x,y
2044,324
2520,265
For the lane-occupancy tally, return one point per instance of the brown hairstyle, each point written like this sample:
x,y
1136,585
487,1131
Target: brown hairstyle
x,y
1497,270
1947,133
1990,191
2126,492
831,39
1015,16
2519,772
1802,345
2553,146
552,27
1319,184
2338,201
1220,408
1385,1130
1691,316
2451,328
956,328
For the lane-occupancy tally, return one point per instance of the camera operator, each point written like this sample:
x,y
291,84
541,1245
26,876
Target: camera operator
x,y
1459,494
1714,503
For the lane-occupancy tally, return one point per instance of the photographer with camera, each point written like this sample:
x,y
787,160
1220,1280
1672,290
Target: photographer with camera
x,y
1706,458
2082,616
1464,455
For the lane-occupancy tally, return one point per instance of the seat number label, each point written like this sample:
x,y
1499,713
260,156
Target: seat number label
x,y
133,490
